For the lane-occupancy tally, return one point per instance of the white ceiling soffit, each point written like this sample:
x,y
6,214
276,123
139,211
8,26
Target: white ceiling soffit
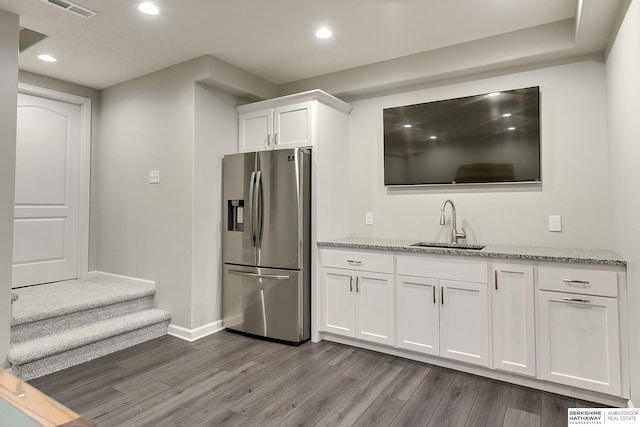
x,y
274,40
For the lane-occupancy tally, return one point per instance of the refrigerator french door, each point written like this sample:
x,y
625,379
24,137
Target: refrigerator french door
x,y
266,244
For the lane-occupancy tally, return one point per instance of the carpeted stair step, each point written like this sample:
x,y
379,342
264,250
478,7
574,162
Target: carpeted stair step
x,y
52,308
37,357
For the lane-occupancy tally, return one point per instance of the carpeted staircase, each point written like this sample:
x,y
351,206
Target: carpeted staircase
x,y
58,325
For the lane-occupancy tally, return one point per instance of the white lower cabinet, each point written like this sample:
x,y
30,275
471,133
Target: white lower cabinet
x,y
448,318
443,318
418,325
579,341
559,323
358,303
464,322
338,307
513,324
375,308
578,328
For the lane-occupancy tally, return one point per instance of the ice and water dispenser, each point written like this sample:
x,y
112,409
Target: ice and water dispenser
x,y
236,215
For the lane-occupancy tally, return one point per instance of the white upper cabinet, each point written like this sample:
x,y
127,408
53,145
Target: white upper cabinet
x,y
293,125
288,126
286,122
256,130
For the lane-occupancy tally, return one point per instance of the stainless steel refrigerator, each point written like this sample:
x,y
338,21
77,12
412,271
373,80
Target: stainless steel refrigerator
x,y
266,244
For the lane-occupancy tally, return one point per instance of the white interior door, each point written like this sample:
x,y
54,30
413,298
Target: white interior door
x,y
45,247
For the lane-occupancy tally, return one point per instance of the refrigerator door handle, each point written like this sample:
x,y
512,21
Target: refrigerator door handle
x,y
258,206
252,208
259,276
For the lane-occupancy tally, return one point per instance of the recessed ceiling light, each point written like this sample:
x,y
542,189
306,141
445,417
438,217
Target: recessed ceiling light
x,y
511,128
148,8
433,137
506,115
494,94
407,126
46,58
323,33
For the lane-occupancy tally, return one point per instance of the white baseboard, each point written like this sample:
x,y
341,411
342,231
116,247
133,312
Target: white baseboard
x,y
121,279
197,333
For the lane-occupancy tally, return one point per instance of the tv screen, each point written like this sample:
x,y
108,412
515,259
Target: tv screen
x,y
488,138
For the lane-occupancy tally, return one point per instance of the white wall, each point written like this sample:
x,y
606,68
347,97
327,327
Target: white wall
x,y
574,169
167,232
623,107
9,28
144,230
216,134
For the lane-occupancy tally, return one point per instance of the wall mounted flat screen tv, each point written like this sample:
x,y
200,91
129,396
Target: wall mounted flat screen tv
x,y
481,139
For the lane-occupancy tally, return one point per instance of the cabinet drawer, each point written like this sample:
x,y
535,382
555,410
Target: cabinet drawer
x,y
580,281
462,270
364,261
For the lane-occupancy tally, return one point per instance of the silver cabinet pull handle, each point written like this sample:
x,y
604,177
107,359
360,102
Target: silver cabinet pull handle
x,y
442,296
357,284
351,284
353,261
567,299
579,282
495,274
275,138
268,140
434,294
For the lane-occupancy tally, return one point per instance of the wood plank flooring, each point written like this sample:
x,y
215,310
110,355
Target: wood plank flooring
x,y
228,379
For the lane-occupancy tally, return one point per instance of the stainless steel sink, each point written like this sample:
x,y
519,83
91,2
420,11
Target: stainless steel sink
x,y
464,246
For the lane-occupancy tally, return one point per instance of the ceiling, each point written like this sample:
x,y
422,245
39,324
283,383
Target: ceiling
x,y
274,39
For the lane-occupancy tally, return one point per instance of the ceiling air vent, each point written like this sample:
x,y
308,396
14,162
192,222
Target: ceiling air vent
x,y
71,8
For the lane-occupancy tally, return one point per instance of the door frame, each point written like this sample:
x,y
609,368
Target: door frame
x,y
84,175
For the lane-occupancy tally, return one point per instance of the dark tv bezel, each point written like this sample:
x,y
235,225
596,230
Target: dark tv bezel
x,y
534,182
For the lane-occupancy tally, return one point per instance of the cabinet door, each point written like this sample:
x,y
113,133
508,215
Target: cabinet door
x,y
255,130
338,315
513,318
578,341
375,308
464,322
293,125
418,322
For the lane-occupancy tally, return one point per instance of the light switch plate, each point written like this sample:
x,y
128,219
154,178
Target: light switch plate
x,y
555,223
368,218
154,177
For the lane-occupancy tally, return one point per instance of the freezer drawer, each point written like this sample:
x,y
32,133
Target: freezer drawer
x,y
266,302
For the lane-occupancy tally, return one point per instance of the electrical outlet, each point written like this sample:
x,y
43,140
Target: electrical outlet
x,y
368,218
555,223
154,177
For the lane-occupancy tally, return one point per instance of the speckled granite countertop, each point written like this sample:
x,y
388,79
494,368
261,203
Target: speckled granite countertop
x,y
533,253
